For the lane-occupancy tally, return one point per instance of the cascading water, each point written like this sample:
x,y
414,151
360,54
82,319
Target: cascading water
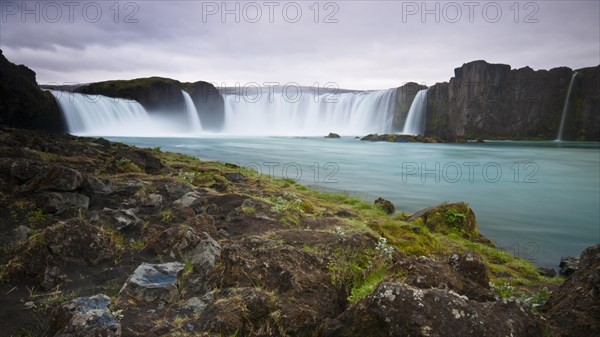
x,y
563,118
100,115
309,114
191,113
415,120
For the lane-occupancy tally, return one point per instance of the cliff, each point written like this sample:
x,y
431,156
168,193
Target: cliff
x,y
160,95
493,101
22,103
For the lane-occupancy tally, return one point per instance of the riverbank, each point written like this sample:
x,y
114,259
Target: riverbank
x,y
185,247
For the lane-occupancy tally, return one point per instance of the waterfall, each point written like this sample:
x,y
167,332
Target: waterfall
x,y
563,118
415,120
99,115
306,113
191,113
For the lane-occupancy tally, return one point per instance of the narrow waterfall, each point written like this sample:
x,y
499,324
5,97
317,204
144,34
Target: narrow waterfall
x,y
100,115
191,113
563,118
415,120
309,114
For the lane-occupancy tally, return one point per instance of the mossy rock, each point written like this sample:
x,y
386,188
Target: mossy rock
x,y
449,218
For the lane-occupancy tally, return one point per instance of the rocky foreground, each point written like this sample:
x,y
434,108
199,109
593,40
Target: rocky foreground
x,y
104,239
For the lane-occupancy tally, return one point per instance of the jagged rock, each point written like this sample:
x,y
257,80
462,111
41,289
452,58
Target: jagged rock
x,y
176,189
235,177
52,277
395,309
153,283
38,177
547,272
568,265
119,219
332,135
198,304
85,316
92,185
15,236
187,200
72,242
54,202
575,306
386,205
470,266
425,273
151,200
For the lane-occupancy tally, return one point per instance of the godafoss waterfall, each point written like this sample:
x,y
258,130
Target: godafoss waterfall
x,y
281,134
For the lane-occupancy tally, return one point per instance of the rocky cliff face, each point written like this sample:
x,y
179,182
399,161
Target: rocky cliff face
x,y
492,101
160,95
404,97
22,103
209,103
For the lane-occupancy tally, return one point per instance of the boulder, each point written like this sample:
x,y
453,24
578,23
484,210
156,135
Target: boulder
x,y
153,283
15,236
449,218
575,306
568,265
547,272
187,200
119,219
332,135
395,309
55,202
385,205
235,177
198,304
85,316
471,266
38,177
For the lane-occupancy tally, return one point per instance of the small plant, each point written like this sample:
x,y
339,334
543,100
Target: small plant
x,y
338,230
454,218
538,298
384,249
188,177
36,217
503,289
248,209
126,165
166,215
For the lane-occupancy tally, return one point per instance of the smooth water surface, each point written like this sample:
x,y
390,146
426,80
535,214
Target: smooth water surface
x,y
538,200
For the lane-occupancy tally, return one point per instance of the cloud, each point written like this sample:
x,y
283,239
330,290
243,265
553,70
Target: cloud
x,y
374,44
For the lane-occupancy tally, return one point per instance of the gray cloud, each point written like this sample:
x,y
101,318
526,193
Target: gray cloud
x,y
370,46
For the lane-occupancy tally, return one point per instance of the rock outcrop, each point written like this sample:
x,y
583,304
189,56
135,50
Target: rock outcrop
x,y
23,104
575,306
493,101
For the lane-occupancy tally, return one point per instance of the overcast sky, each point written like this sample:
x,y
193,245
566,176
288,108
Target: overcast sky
x,y
355,44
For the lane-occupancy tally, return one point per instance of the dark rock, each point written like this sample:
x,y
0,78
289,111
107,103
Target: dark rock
x,y
53,276
395,309
386,205
219,186
404,98
37,176
546,272
153,283
23,103
198,304
188,199
94,186
74,242
332,135
426,273
344,213
55,202
85,316
575,306
492,101
568,265
15,236
470,266
119,219
176,189
235,177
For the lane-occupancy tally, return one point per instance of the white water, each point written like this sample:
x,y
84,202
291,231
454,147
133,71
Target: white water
x,y
350,113
415,120
191,113
563,118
